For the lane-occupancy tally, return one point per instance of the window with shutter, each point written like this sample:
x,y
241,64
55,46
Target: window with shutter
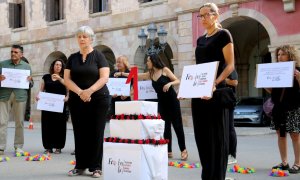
x,y
16,15
98,6
54,10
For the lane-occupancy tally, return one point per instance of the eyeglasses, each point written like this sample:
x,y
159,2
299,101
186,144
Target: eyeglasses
x,y
205,16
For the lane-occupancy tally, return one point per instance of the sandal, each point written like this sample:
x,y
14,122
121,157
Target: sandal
x,y
295,169
48,151
97,173
75,172
282,166
170,155
57,151
184,155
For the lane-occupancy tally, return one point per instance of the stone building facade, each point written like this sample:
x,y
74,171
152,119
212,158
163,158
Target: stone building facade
x,y
46,30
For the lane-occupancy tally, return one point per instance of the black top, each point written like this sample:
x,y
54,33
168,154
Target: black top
x,y
209,49
53,86
85,74
290,99
158,87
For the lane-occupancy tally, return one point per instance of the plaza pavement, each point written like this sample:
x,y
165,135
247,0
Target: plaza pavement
x,y
57,168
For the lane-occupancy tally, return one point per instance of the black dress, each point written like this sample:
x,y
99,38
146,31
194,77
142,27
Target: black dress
x,y
286,112
118,98
169,109
88,118
211,121
54,125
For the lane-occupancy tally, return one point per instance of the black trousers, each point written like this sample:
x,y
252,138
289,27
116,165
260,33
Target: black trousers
x,y
232,135
88,120
211,135
171,114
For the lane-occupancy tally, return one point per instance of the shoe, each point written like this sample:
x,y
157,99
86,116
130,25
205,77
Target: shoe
x,y
231,160
75,172
48,151
97,174
19,150
73,153
57,151
170,155
184,155
295,169
282,166
1,152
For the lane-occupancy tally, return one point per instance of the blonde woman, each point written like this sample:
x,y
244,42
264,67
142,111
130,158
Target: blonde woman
x,y
122,66
286,111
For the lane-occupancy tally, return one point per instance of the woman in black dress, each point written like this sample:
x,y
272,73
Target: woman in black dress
x,y
122,66
163,81
54,125
86,75
210,120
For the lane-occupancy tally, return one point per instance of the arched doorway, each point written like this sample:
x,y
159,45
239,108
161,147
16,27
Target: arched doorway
x,y
51,57
109,55
251,42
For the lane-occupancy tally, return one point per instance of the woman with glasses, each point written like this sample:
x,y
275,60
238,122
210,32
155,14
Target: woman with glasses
x,y
210,120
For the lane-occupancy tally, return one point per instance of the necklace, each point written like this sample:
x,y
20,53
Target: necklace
x,y
212,33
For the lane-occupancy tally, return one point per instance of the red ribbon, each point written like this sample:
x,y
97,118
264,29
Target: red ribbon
x,y
134,75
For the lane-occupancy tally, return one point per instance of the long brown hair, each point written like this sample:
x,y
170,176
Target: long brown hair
x,y
51,69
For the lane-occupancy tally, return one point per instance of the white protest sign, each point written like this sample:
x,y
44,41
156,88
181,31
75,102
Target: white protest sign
x,y
198,80
15,78
51,102
146,91
118,86
275,75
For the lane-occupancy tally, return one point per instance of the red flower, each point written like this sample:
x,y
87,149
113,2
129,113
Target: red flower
x,y
158,117
128,117
140,142
148,117
132,141
140,116
147,141
122,117
153,141
121,140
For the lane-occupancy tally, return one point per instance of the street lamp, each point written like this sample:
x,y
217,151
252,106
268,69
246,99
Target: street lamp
x,y
152,31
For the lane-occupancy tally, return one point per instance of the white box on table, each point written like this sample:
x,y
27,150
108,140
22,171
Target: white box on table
x,y
136,107
137,129
135,161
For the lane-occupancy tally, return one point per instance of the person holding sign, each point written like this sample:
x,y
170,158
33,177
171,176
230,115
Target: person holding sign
x,y
286,111
209,118
54,124
163,81
122,66
86,75
13,99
